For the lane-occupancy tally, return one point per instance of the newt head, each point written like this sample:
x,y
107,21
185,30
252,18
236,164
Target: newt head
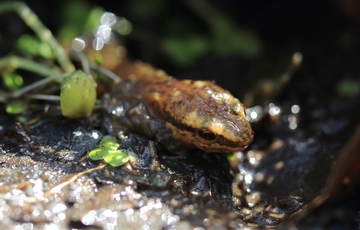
x,y
203,115
199,114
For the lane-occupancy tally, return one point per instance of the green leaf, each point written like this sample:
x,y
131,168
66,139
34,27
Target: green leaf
x,y
109,142
34,46
78,95
98,153
116,158
16,107
12,80
106,139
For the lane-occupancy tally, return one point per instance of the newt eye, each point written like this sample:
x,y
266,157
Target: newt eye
x,y
206,136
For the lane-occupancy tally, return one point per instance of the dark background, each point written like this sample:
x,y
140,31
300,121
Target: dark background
x,y
325,32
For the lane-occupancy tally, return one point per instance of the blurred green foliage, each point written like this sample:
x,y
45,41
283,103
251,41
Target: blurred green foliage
x,y
79,18
228,38
348,88
12,80
184,42
16,107
185,51
34,46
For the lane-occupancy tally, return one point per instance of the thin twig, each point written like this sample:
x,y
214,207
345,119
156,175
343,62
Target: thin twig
x,y
106,72
58,187
35,85
84,62
45,97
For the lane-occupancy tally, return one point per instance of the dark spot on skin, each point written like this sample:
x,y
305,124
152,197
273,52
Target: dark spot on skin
x,y
221,140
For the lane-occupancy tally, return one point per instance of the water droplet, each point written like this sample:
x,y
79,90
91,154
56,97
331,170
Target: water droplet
x,y
78,44
98,43
108,19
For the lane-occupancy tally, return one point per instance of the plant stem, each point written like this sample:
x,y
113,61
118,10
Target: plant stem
x,y
32,20
16,62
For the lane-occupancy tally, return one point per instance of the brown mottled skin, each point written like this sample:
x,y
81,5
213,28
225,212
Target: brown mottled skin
x,y
200,114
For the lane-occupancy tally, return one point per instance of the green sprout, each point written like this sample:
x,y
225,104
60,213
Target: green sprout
x,y
78,95
108,151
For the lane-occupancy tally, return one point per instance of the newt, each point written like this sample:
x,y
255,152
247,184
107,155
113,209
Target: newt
x,y
199,114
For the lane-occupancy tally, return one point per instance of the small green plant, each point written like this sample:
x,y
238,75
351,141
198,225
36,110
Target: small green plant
x,y
107,150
